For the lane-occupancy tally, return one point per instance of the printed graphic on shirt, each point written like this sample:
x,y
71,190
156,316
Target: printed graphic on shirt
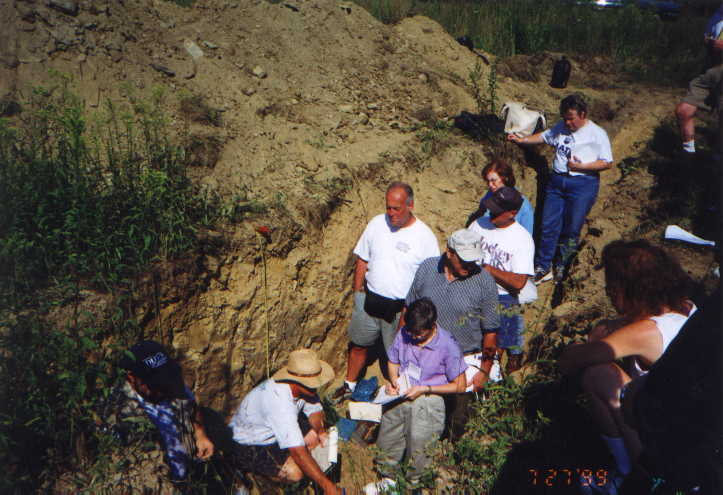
x,y
565,149
495,255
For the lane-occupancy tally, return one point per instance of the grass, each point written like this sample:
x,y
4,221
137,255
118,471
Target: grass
x,y
642,44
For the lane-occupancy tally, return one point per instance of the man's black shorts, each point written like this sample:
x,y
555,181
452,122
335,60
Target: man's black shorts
x,y
265,460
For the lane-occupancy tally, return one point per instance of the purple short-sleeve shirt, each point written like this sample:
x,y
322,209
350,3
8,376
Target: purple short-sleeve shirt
x,y
439,361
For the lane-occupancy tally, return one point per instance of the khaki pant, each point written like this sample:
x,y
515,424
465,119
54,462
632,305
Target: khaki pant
x,y
407,430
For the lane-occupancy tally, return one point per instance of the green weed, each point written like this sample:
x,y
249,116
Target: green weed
x,y
433,136
96,198
54,383
320,143
496,425
475,77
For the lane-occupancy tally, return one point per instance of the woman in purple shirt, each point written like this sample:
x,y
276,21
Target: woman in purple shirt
x,y
425,357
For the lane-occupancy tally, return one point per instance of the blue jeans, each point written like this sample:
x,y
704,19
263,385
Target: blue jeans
x,y
568,200
509,336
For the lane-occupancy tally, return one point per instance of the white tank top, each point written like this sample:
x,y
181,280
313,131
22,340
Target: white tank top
x,y
669,324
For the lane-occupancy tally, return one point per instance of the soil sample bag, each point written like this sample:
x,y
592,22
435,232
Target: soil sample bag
x,y
561,73
520,120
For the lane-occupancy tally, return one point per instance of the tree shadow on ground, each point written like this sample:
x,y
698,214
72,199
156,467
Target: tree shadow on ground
x,y
568,452
479,126
567,447
218,475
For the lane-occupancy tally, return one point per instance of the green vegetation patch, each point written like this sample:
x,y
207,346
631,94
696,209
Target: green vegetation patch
x,y
96,198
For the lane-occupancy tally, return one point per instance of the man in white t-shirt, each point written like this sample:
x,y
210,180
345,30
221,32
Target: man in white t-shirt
x,y
507,251
582,150
389,252
272,437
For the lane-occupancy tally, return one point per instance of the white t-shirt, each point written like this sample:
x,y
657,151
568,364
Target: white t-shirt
x,y
589,143
510,249
268,414
394,255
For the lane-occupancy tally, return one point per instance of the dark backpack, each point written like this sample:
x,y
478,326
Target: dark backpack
x,y
561,73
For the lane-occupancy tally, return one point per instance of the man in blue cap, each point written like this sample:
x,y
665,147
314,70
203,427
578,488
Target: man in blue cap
x,y
507,254
154,390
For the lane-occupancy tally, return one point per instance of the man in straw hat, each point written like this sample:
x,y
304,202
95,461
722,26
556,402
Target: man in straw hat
x,y
272,437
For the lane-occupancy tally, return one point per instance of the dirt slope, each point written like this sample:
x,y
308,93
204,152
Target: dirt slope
x,y
321,107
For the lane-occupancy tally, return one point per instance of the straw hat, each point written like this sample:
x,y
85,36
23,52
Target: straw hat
x,y
306,368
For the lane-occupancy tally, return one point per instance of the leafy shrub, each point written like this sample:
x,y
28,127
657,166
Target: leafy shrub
x,y
96,199
53,382
496,425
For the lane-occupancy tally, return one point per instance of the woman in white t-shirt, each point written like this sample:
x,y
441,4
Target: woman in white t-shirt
x,y
650,291
582,151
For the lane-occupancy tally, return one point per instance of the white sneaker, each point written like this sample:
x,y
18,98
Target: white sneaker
x,y
541,276
386,485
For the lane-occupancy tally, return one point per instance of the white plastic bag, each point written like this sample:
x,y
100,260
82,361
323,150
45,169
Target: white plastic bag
x,y
528,293
520,120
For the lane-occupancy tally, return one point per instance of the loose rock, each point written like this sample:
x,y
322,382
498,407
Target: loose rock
x,y
363,119
165,70
346,108
65,6
26,12
259,72
64,36
423,77
249,91
193,49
